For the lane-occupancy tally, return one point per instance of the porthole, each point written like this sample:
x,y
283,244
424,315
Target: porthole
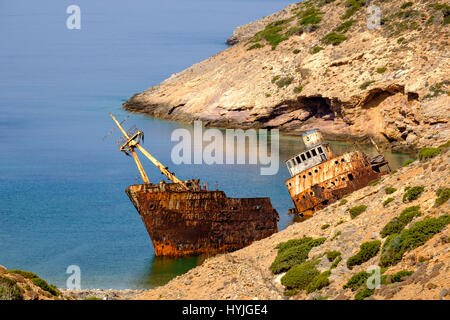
x,y
309,173
342,160
304,177
336,162
315,170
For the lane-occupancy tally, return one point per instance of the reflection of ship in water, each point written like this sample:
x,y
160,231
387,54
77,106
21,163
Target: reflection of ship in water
x,y
185,218
319,177
163,269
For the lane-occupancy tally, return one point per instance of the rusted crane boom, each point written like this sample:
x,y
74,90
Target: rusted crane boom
x,y
132,143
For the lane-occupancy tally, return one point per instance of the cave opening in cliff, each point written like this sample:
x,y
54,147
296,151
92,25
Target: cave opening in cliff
x,y
320,107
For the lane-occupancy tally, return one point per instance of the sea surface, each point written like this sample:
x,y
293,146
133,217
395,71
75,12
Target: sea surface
x,y
62,199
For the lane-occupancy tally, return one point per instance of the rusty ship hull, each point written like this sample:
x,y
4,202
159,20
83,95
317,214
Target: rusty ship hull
x,y
190,222
329,181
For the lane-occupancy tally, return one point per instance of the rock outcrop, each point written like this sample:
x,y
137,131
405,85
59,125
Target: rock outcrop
x,y
323,64
245,274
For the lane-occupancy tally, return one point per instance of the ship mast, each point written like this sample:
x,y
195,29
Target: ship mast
x,y
132,143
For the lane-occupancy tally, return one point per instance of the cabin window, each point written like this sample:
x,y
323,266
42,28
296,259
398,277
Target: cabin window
x,y
315,170
320,149
309,173
311,193
298,160
303,157
336,162
342,160
343,179
314,153
304,177
350,177
308,155
289,164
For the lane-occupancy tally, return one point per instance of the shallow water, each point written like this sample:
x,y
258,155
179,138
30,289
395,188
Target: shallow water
x,y
61,186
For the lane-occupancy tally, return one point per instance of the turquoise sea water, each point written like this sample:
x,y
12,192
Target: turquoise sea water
x,y
61,187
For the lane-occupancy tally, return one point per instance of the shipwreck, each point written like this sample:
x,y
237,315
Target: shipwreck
x,y
319,177
185,218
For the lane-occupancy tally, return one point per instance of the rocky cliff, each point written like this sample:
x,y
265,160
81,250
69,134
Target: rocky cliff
x,y
323,64
401,224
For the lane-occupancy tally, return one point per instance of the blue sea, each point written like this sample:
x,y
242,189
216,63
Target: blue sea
x,y
62,199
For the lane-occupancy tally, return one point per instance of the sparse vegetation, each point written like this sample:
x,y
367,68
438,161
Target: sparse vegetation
x,y
356,211
316,49
336,235
364,293
343,201
407,162
367,251
336,262
397,224
9,290
311,16
357,280
298,89
387,201
413,193
345,26
255,46
366,84
406,5
296,51
332,255
293,252
373,182
399,275
284,82
93,298
436,90
325,226
443,196
428,153
37,281
320,281
353,6
381,70
390,190
397,244
333,38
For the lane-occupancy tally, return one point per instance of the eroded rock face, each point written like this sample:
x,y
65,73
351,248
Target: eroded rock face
x,y
389,83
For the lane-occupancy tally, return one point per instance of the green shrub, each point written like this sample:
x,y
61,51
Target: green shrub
x,y
291,292
325,226
298,89
320,281
406,5
345,26
399,275
336,262
397,244
413,193
300,276
387,201
296,51
284,82
356,211
373,182
353,6
292,243
445,145
390,190
25,274
310,16
357,280
272,33
401,40
397,224
292,254
333,38
364,293
45,286
93,298
407,162
367,251
316,49
428,153
443,195
435,90
331,255
381,70
336,235
255,46
366,84
275,78
340,222
343,201
9,290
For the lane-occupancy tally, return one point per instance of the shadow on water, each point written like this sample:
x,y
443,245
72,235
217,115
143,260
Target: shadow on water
x,y
163,269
